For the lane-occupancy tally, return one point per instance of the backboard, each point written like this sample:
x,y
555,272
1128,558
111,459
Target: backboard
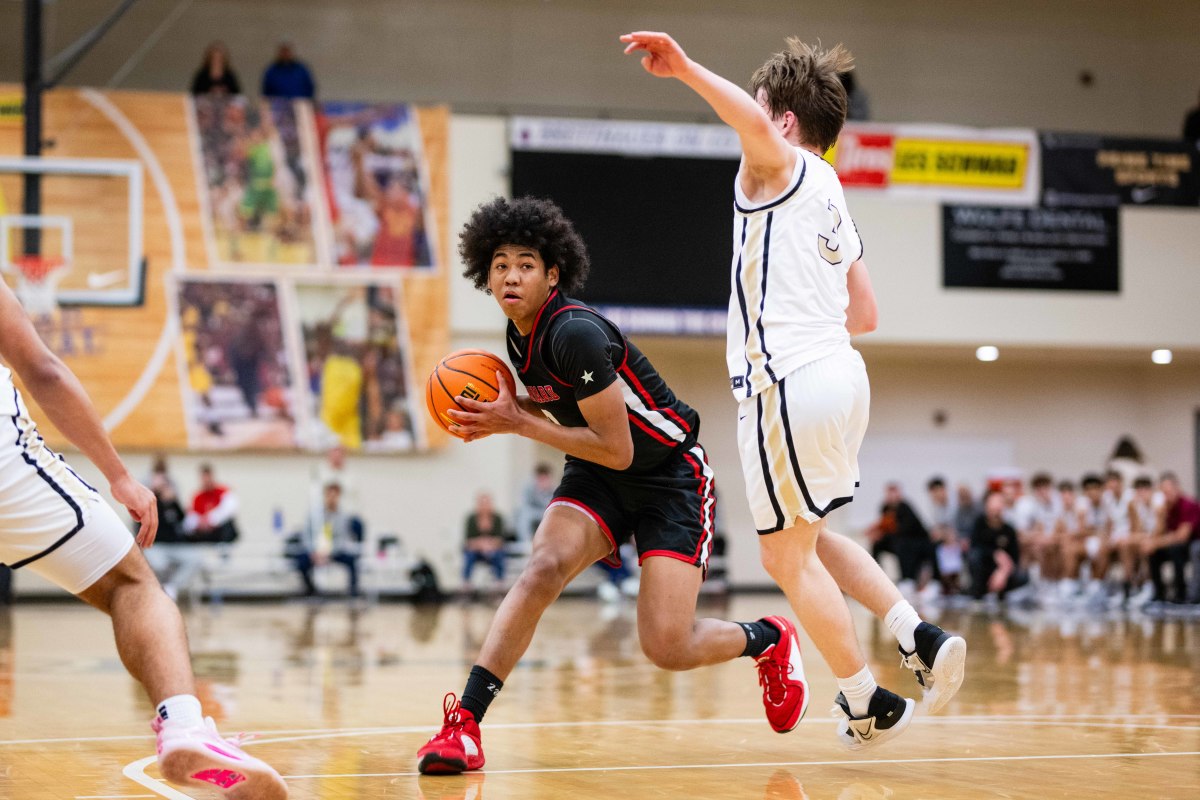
x,y
89,228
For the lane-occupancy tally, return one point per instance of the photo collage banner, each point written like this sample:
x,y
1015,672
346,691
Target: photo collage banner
x,y
316,221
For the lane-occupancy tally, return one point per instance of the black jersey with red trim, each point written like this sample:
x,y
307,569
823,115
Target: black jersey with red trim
x,y
573,352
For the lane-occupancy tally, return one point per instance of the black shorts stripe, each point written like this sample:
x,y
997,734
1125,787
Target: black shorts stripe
x,y
766,468
741,294
762,307
53,485
787,434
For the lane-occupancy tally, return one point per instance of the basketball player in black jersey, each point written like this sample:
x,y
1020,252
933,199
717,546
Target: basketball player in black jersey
x,y
634,468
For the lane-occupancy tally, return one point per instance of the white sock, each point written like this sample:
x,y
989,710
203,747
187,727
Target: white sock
x,y
903,620
182,709
858,689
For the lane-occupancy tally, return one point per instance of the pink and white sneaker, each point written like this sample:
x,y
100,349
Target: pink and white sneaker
x,y
198,756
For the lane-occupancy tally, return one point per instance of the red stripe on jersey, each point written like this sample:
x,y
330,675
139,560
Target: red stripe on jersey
x,y
641,392
533,330
636,420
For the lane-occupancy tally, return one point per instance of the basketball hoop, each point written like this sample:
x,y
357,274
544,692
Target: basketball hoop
x,y
37,281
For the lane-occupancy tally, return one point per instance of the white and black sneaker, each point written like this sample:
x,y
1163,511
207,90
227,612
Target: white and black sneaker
x,y
939,662
887,716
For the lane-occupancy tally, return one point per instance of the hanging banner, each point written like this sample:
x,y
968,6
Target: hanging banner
x,y
942,162
1031,248
1088,171
939,162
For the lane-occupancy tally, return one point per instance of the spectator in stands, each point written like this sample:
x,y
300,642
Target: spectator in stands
x,y
1037,515
966,511
213,509
1127,459
331,535
945,535
288,77
995,552
535,498
1067,534
1144,519
333,469
1117,500
1013,489
900,531
858,105
175,558
1083,543
1092,544
170,512
1191,128
215,75
484,539
1172,540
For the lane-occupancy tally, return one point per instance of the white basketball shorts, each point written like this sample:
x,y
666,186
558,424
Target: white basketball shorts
x,y
799,441
51,520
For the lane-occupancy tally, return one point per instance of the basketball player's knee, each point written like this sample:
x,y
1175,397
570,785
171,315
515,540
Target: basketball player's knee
x,y
667,651
546,572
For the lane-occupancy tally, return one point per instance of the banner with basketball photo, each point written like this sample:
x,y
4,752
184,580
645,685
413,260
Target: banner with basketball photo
x,y
377,186
238,387
357,361
257,194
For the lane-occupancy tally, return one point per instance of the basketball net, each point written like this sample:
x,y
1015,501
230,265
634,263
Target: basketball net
x,y
37,282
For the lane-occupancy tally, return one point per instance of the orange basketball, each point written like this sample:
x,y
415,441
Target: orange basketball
x,y
465,373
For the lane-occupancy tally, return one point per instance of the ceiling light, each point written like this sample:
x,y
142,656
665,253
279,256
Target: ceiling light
x,y
987,353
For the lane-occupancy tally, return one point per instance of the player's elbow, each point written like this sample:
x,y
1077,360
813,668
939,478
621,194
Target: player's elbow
x,y
863,320
621,456
623,460
44,373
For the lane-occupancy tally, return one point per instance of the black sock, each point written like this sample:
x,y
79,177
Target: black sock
x,y
482,688
759,636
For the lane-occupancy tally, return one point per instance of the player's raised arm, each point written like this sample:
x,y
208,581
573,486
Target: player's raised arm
x,y
65,402
766,152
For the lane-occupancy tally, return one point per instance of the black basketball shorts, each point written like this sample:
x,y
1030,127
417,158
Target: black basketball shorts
x,y
670,512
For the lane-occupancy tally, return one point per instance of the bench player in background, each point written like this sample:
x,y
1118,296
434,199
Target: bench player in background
x,y
634,468
56,525
801,290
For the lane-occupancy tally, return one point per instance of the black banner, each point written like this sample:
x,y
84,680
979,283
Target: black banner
x,y
1086,171
1076,249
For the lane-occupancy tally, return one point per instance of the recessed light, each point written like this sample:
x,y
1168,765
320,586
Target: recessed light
x,y
1161,356
987,353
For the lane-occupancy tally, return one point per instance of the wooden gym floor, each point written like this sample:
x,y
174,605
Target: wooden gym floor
x,y
341,698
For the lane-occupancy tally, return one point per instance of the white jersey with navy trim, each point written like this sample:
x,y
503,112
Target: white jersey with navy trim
x,y
43,502
8,403
787,306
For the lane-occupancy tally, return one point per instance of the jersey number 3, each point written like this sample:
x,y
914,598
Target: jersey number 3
x,y
830,247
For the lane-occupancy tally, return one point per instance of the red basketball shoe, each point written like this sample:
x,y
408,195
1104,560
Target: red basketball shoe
x,y
457,747
781,674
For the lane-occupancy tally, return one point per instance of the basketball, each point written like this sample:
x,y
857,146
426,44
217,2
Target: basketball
x,y
465,373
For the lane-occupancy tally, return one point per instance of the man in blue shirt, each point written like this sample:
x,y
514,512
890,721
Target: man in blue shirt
x,y
287,77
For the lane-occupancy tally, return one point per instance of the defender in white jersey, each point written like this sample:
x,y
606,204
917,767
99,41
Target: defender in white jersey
x,y
799,290
53,523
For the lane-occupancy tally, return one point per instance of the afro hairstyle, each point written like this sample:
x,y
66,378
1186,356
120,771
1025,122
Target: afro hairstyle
x,y
529,222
